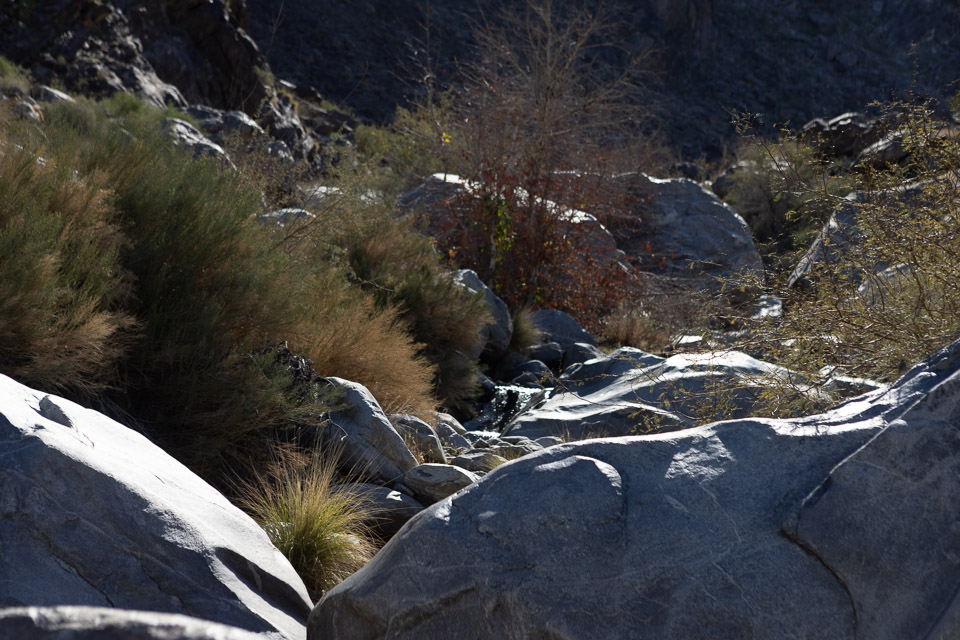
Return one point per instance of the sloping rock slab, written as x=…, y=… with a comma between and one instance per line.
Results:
x=498, y=331
x=93, y=623
x=887, y=522
x=631, y=392
x=842, y=231
x=92, y=513
x=724, y=531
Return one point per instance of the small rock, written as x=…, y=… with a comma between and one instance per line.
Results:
x=422, y=436
x=434, y=482
x=478, y=461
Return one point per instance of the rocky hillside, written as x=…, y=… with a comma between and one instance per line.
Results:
x=270, y=369
x=787, y=60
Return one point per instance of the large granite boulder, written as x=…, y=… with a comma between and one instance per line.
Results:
x=96, y=623
x=695, y=237
x=557, y=326
x=362, y=434
x=839, y=525
x=631, y=392
x=94, y=514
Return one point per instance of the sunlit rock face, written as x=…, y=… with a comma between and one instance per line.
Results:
x=838, y=525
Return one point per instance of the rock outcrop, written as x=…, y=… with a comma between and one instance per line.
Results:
x=362, y=434
x=694, y=236
x=631, y=392
x=175, y=52
x=94, y=623
x=839, y=525
x=94, y=514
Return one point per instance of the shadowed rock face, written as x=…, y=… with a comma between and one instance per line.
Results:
x=170, y=52
x=94, y=514
x=93, y=623
x=839, y=525
x=786, y=60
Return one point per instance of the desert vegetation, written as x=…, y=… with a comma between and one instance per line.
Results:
x=146, y=283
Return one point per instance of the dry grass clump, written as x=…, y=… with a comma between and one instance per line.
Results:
x=526, y=333
x=352, y=338
x=62, y=284
x=633, y=326
x=13, y=79
x=321, y=531
x=399, y=268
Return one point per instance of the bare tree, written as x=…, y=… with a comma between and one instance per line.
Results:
x=551, y=106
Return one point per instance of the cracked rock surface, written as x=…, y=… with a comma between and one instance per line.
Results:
x=94, y=514
x=839, y=525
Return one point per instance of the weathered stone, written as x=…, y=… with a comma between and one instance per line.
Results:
x=445, y=419
x=288, y=216
x=840, y=525
x=185, y=135
x=44, y=93
x=96, y=623
x=368, y=443
x=425, y=439
x=580, y=352
x=631, y=392
x=94, y=514
x=451, y=437
x=434, y=482
x=221, y=125
x=695, y=236
x=513, y=451
x=549, y=353
x=559, y=327
x=499, y=330
x=478, y=461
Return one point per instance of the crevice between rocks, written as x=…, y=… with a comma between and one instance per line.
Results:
x=810, y=551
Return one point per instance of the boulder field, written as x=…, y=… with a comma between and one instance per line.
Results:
x=838, y=525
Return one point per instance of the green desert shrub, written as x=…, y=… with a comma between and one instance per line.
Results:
x=890, y=296
x=13, y=78
x=123, y=105
x=399, y=268
x=136, y=230
x=320, y=530
x=63, y=286
x=420, y=141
